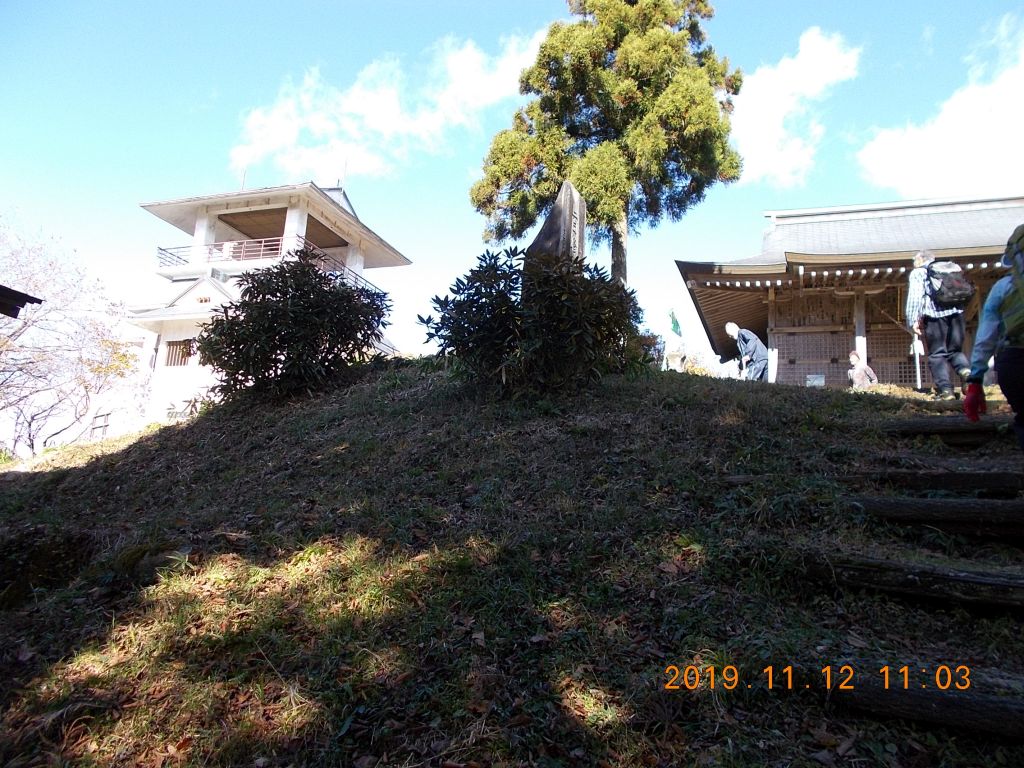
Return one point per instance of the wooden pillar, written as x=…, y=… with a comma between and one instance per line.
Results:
x=773, y=348
x=860, y=325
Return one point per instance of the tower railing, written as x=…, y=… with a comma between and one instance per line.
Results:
x=252, y=250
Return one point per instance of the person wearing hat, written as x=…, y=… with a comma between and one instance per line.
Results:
x=942, y=328
x=1001, y=332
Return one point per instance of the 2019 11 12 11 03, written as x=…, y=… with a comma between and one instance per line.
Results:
x=832, y=677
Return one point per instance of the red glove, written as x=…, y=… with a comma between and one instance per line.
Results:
x=974, y=401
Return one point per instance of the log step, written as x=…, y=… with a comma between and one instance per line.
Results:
x=952, y=430
x=919, y=580
x=915, y=480
x=933, y=479
x=993, y=703
x=985, y=517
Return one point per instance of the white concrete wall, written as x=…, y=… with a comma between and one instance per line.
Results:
x=224, y=233
x=354, y=259
x=294, y=225
x=171, y=387
x=202, y=236
x=127, y=401
x=349, y=255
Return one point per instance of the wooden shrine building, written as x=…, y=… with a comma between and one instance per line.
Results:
x=830, y=280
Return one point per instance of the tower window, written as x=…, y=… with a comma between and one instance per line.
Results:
x=179, y=352
x=98, y=428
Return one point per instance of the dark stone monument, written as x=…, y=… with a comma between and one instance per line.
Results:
x=562, y=233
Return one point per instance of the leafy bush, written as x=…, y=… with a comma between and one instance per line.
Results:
x=557, y=325
x=294, y=329
x=481, y=325
x=654, y=348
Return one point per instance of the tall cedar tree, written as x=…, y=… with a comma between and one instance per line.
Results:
x=632, y=107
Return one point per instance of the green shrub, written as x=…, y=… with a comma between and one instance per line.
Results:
x=294, y=329
x=653, y=347
x=481, y=325
x=558, y=325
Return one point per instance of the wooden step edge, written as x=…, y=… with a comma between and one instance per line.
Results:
x=977, y=709
x=984, y=481
x=941, y=479
x=941, y=425
x=1004, y=514
x=967, y=586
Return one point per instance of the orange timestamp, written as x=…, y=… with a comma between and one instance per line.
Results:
x=841, y=677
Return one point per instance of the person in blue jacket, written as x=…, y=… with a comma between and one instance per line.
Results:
x=753, y=354
x=1001, y=332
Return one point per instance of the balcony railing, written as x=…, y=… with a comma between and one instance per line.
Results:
x=233, y=250
x=267, y=248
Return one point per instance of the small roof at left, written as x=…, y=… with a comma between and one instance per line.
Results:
x=12, y=301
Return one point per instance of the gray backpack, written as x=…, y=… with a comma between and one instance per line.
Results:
x=948, y=285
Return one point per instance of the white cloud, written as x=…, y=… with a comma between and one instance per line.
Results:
x=928, y=39
x=317, y=130
x=773, y=128
x=973, y=146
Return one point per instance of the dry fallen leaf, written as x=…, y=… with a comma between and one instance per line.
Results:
x=846, y=746
x=824, y=738
x=856, y=640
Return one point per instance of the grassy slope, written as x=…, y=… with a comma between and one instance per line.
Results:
x=401, y=575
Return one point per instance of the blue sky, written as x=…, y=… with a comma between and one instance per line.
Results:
x=111, y=104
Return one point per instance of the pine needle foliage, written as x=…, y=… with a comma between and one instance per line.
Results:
x=632, y=106
x=295, y=329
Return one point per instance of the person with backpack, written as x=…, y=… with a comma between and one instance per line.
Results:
x=1001, y=331
x=935, y=304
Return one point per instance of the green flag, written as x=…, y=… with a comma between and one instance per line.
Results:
x=675, y=323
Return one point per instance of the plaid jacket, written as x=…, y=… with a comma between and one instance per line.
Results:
x=919, y=301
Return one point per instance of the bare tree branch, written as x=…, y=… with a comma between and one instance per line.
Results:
x=56, y=357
